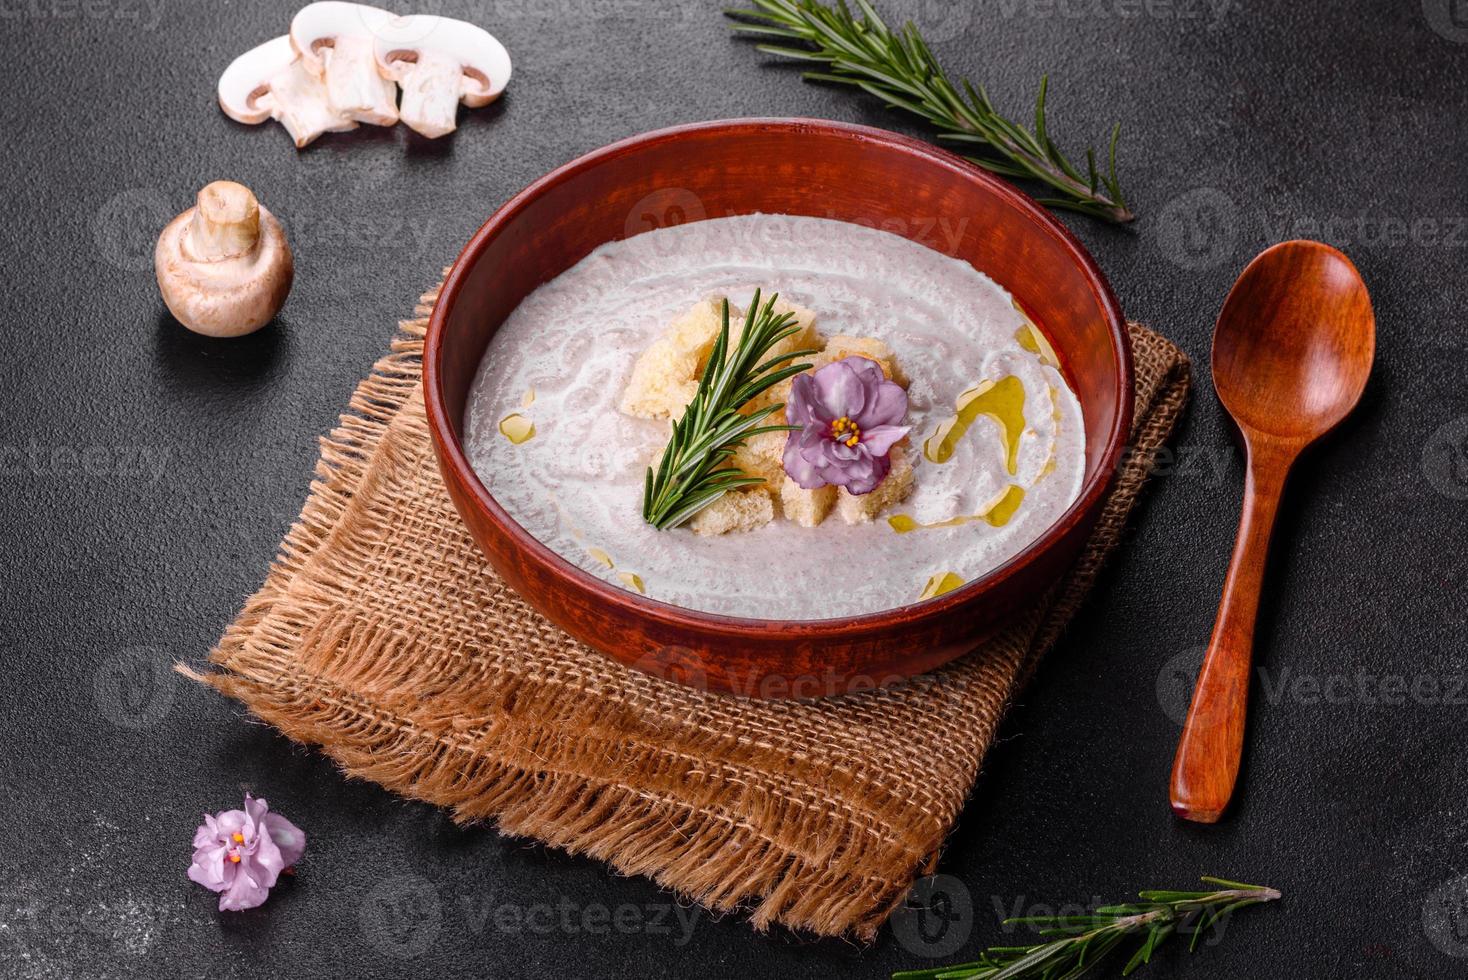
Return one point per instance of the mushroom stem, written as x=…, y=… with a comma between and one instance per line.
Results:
x=353, y=86
x=300, y=102
x=431, y=87
x=226, y=222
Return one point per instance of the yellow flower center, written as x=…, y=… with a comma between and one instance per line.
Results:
x=234, y=858
x=845, y=430
x=239, y=838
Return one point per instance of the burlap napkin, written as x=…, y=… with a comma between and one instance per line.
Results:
x=382, y=636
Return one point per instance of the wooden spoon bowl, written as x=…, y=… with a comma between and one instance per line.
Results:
x=1294, y=344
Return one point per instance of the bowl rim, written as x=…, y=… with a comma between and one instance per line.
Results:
x=451, y=452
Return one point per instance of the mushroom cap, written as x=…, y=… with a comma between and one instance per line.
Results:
x=248, y=77
x=482, y=58
x=318, y=25
x=232, y=295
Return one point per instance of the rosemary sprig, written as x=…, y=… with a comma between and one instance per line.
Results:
x=898, y=68
x=691, y=474
x=1077, y=943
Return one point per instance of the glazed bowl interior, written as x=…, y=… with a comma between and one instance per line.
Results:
x=790, y=167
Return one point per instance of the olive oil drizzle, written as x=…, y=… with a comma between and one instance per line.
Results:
x=1002, y=400
x=629, y=580
x=1049, y=465
x=517, y=428
x=1032, y=339
x=997, y=514
x=940, y=584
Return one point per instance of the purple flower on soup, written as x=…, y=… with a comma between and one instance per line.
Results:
x=241, y=853
x=849, y=416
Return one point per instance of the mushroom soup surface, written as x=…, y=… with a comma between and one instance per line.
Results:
x=997, y=441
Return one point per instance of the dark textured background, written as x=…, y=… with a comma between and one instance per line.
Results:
x=1245, y=122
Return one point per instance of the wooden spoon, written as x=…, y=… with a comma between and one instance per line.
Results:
x=1291, y=354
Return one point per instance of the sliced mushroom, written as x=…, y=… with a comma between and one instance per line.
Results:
x=224, y=266
x=440, y=62
x=334, y=41
x=270, y=82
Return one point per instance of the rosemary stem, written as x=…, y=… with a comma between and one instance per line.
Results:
x=1073, y=945
x=898, y=67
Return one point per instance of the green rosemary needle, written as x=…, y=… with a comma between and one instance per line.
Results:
x=898, y=68
x=691, y=474
x=1075, y=944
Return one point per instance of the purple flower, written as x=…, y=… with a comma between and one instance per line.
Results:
x=241, y=853
x=848, y=414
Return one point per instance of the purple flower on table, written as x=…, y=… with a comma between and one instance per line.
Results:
x=241, y=853
x=849, y=415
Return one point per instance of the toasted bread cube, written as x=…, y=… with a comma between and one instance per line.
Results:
x=893, y=490
x=737, y=510
x=665, y=376
x=778, y=394
x=840, y=346
x=764, y=455
x=806, y=507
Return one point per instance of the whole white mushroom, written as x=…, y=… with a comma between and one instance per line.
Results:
x=224, y=266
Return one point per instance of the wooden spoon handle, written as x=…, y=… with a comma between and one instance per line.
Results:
x=1208, y=755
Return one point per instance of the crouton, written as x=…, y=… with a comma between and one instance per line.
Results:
x=763, y=455
x=893, y=490
x=737, y=510
x=665, y=376
x=777, y=394
x=839, y=347
x=806, y=507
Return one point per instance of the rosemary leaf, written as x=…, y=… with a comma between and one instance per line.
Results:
x=900, y=69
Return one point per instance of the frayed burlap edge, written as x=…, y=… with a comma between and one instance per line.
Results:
x=700, y=853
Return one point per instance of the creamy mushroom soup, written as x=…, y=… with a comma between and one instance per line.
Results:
x=997, y=437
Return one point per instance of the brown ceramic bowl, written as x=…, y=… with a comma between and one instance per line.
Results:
x=781, y=166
